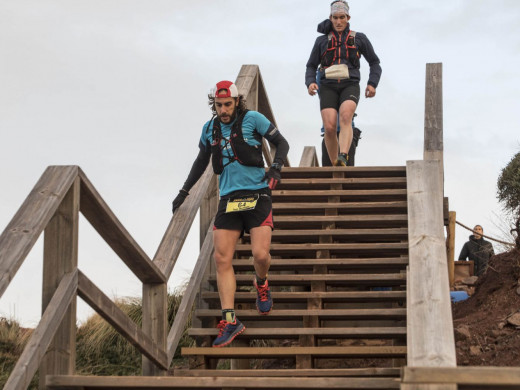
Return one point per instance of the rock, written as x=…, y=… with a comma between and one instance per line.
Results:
x=501, y=325
x=518, y=291
x=470, y=281
x=514, y=319
x=462, y=333
x=474, y=350
x=495, y=333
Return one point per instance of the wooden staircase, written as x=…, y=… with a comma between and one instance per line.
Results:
x=339, y=254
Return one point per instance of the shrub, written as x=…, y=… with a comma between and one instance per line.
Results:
x=509, y=191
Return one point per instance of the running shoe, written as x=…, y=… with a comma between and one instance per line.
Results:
x=227, y=332
x=341, y=161
x=264, y=303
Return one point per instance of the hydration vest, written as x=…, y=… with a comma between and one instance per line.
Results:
x=334, y=47
x=244, y=153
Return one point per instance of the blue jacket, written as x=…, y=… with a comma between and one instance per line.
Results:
x=364, y=48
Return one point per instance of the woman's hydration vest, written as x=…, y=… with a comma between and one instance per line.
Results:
x=335, y=47
x=244, y=153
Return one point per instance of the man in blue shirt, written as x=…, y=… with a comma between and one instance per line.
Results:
x=233, y=141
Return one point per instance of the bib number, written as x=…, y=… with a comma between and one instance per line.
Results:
x=242, y=204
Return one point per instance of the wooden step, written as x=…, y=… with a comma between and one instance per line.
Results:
x=389, y=332
x=212, y=382
x=387, y=248
x=329, y=279
x=241, y=265
x=287, y=352
x=346, y=183
x=341, y=221
x=394, y=207
x=357, y=235
x=319, y=172
x=325, y=296
x=344, y=195
x=324, y=314
x=311, y=372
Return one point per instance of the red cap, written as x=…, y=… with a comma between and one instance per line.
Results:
x=225, y=89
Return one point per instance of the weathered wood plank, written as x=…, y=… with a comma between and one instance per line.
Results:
x=319, y=171
x=189, y=295
x=178, y=382
x=107, y=309
x=306, y=206
x=336, y=263
x=433, y=116
x=42, y=336
x=315, y=193
x=175, y=235
x=259, y=352
x=330, y=314
x=342, y=218
x=309, y=157
x=60, y=257
x=31, y=218
x=430, y=336
x=313, y=372
x=490, y=376
x=359, y=332
x=339, y=279
x=101, y=217
x=154, y=323
x=325, y=296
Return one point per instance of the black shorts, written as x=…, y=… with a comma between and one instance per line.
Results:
x=332, y=95
x=261, y=215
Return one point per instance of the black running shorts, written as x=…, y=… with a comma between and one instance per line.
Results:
x=332, y=95
x=260, y=215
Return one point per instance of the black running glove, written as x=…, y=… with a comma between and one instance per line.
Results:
x=273, y=175
x=179, y=199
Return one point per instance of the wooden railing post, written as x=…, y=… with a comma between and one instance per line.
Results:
x=155, y=322
x=430, y=337
x=451, y=246
x=60, y=256
x=433, y=117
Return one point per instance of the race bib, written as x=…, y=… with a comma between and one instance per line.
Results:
x=242, y=204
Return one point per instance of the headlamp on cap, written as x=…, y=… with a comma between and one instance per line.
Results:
x=225, y=89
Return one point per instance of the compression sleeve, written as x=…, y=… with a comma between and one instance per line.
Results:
x=198, y=167
x=274, y=136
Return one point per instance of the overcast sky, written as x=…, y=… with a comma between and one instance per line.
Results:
x=119, y=87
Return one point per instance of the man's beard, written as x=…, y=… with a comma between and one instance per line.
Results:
x=232, y=116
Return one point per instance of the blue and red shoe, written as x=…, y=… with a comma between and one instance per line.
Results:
x=264, y=303
x=227, y=332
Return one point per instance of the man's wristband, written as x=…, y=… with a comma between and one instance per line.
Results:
x=277, y=166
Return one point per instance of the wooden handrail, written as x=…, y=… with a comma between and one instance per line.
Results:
x=173, y=240
x=189, y=295
x=31, y=218
x=101, y=217
x=27, y=364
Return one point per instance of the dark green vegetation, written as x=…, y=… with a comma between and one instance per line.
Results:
x=509, y=191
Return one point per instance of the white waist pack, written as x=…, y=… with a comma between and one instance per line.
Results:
x=338, y=72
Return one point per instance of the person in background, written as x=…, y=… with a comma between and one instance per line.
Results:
x=233, y=141
x=478, y=250
x=336, y=55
